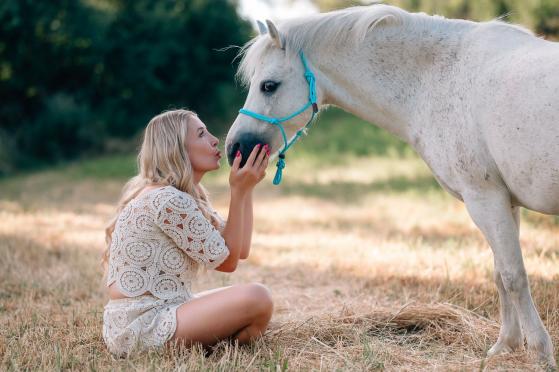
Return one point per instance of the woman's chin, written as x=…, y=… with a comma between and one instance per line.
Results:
x=208, y=168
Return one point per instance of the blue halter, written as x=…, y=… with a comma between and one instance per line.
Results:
x=277, y=121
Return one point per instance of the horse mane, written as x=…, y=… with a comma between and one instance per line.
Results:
x=346, y=25
x=309, y=32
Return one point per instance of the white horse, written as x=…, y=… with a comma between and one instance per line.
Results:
x=479, y=102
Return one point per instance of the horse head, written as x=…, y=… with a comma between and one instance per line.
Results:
x=279, y=102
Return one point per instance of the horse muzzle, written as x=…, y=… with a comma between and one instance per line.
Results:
x=245, y=144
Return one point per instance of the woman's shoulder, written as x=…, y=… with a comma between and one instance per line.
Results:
x=170, y=196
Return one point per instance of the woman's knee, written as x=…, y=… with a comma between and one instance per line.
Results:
x=259, y=299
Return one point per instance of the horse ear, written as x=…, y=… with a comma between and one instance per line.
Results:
x=262, y=28
x=274, y=34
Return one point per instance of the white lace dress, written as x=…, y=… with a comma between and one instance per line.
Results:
x=160, y=240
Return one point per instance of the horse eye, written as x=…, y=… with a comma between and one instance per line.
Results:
x=269, y=86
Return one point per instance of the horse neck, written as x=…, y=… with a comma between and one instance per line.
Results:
x=389, y=76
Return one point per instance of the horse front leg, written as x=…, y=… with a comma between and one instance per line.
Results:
x=510, y=335
x=492, y=212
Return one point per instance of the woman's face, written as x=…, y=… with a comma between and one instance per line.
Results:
x=201, y=147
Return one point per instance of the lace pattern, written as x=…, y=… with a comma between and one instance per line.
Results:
x=181, y=219
x=160, y=240
x=136, y=324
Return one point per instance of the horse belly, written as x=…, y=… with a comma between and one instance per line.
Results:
x=521, y=129
x=533, y=180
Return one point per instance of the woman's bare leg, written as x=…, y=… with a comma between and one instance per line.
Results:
x=210, y=291
x=241, y=311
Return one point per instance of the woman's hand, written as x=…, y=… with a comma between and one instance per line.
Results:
x=238, y=229
x=244, y=179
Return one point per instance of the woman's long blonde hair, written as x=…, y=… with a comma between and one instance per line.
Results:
x=163, y=160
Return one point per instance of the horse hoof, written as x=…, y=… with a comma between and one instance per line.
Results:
x=548, y=363
x=550, y=366
x=502, y=347
x=499, y=348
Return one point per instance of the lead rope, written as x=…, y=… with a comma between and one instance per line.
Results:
x=280, y=165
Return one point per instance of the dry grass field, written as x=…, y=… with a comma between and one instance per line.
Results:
x=371, y=265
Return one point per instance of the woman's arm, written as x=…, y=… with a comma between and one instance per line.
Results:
x=247, y=226
x=233, y=231
x=238, y=229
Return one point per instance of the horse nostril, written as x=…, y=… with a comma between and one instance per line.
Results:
x=245, y=144
x=232, y=152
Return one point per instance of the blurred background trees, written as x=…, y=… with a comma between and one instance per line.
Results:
x=84, y=76
x=77, y=76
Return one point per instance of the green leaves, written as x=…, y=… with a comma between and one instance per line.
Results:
x=74, y=74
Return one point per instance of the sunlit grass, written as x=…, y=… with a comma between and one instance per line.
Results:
x=371, y=265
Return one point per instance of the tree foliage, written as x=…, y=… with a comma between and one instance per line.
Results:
x=74, y=73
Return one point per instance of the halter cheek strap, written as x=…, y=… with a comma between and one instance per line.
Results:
x=309, y=76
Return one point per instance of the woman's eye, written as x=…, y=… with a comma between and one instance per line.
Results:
x=201, y=133
x=269, y=86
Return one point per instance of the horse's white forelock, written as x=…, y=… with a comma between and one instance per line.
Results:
x=346, y=25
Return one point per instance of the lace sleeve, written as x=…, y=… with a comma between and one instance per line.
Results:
x=220, y=222
x=180, y=218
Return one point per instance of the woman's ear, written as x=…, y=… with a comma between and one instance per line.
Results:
x=274, y=34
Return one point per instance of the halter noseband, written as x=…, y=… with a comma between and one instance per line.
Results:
x=309, y=76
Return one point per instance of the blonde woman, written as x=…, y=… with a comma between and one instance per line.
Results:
x=165, y=230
